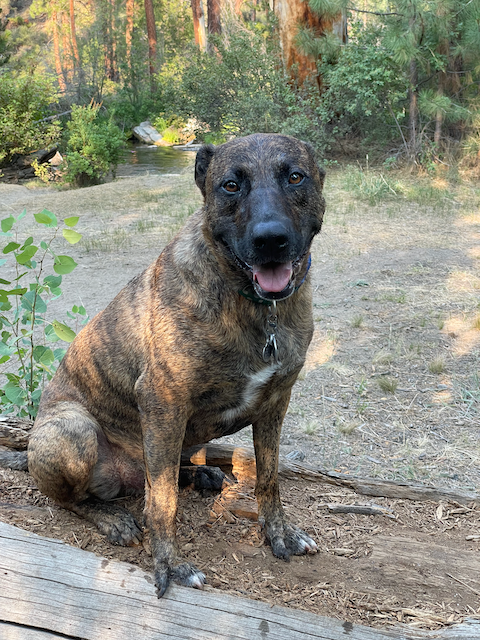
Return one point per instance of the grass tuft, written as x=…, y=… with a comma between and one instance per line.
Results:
x=437, y=365
x=388, y=385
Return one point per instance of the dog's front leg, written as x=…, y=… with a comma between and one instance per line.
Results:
x=163, y=432
x=285, y=539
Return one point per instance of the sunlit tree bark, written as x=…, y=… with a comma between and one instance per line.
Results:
x=56, y=50
x=130, y=10
x=152, y=41
x=199, y=24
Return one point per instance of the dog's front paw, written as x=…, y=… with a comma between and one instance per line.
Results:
x=287, y=540
x=185, y=574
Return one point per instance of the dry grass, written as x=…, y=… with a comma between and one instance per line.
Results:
x=388, y=385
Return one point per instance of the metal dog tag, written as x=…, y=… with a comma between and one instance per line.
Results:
x=270, y=349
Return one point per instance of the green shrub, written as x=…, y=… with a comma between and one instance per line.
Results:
x=239, y=89
x=93, y=147
x=27, y=333
x=25, y=102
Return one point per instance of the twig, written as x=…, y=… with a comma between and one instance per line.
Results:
x=464, y=583
x=366, y=510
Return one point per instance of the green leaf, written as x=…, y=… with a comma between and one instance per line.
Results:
x=27, y=242
x=64, y=265
x=43, y=245
x=47, y=218
x=71, y=222
x=26, y=255
x=6, y=350
x=59, y=353
x=32, y=301
x=50, y=334
x=43, y=355
x=15, y=394
x=11, y=246
x=2, y=281
x=71, y=236
x=2, y=262
x=17, y=292
x=7, y=224
x=63, y=332
x=22, y=215
x=52, y=282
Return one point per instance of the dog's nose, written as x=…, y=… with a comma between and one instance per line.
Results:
x=270, y=238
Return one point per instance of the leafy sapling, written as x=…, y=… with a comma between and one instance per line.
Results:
x=31, y=276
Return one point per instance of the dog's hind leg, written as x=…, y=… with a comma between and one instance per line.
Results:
x=68, y=458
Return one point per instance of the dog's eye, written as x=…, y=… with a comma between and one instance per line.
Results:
x=295, y=178
x=231, y=186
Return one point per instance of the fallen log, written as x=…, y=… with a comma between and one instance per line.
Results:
x=49, y=590
x=241, y=462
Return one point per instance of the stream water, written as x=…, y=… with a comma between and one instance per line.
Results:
x=140, y=159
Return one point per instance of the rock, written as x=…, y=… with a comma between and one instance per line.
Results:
x=56, y=160
x=148, y=134
x=42, y=156
x=295, y=455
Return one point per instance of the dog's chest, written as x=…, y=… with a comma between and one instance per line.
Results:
x=252, y=389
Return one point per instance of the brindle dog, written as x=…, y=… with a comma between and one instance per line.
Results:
x=207, y=340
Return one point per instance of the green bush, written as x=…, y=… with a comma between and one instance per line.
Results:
x=363, y=89
x=25, y=102
x=29, y=283
x=93, y=147
x=239, y=89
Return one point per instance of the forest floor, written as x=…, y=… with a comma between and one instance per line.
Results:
x=391, y=389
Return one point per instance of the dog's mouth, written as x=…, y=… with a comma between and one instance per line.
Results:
x=273, y=280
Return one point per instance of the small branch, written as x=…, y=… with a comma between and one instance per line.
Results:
x=364, y=510
x=399, y=128
x=376, y=13
x=464, y=584
x=54, y=117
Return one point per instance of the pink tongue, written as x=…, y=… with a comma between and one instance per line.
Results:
x=273, y=278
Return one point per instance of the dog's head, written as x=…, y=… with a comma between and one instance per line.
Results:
x=263, y=206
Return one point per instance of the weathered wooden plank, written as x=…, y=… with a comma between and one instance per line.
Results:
x=49, y=587
x=242, y=461
x=10, y=631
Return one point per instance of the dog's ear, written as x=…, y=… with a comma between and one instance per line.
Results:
x=314, y=155
x=202, y=161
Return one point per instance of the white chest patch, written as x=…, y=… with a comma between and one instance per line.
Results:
x=250, y=393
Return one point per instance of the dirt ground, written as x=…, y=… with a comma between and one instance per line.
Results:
x=391, y=389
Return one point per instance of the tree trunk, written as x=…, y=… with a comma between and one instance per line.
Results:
x=439, y=115
x=111, y=67
x=199, y=24
x=73, y=35
x=291, y=14
x=213, y=21
x=130, y=7
x=152, y=42
x=56, y=51
x=67, y=49
x=413, y=108
x=213, y=16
